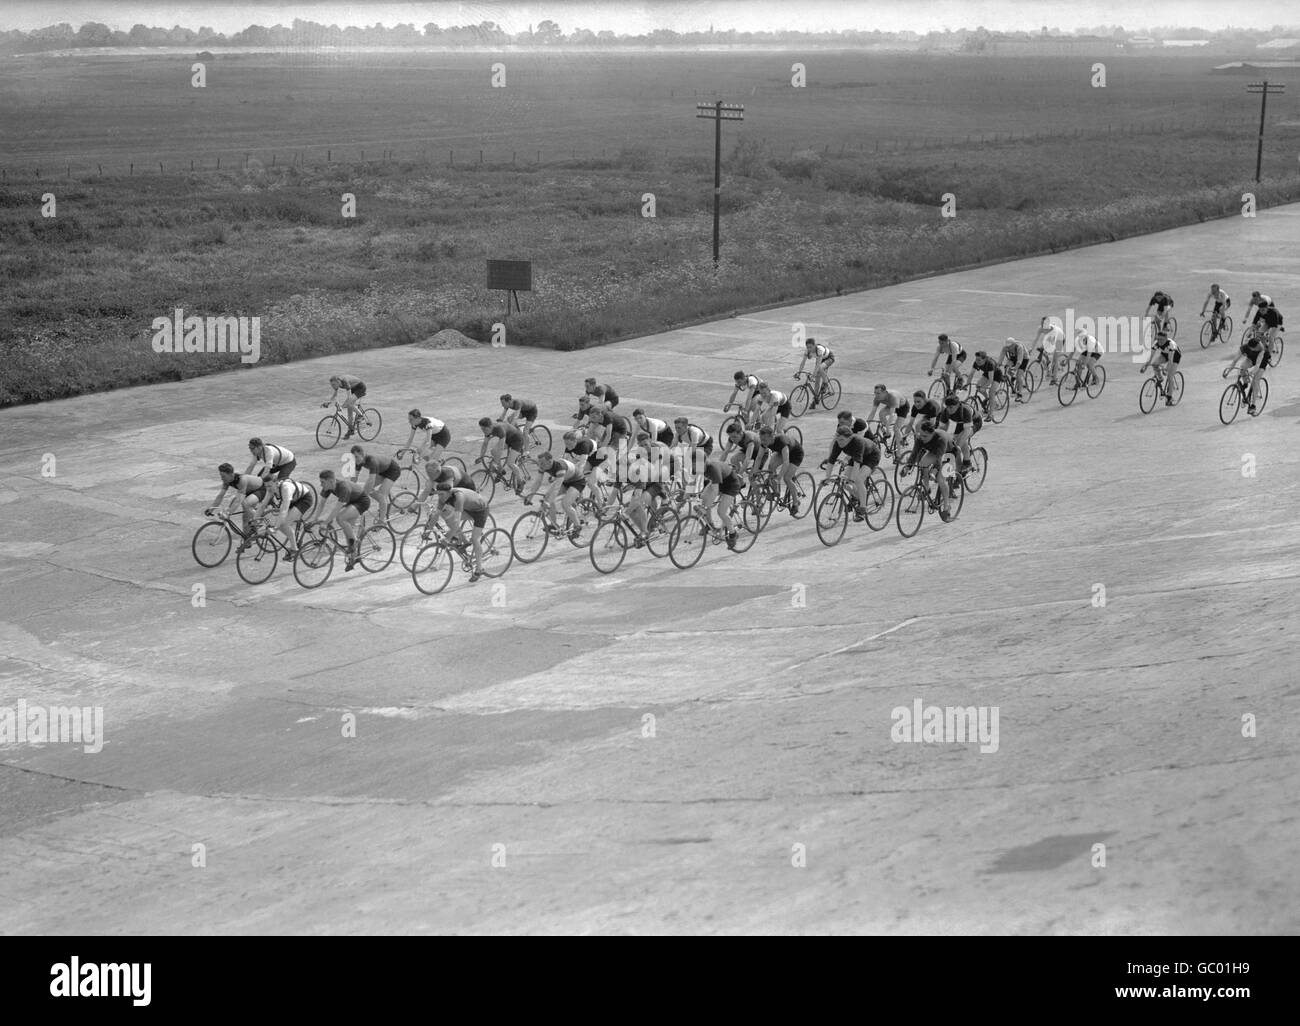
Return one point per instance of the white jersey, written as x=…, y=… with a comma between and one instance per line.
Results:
x=1052, y=339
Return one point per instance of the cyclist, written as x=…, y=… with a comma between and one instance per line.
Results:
x=277, y=461
x=1255, y=356
x=1050, y=342
x=1015, y=358
x=1221, y=301
x=350, y=502
x=953, y=354
x=784, y=457
x=468, y=504
x=988, y=372
x=1087, y=354
x=601, y=393
x=923, y=407
x=742, y=443
x=860, y=456
x=355, y=389
x=567, y=482
x=1258, y=304
x=746, y=385
x=249, y=492
x=958, y=421
x=590, y=457
x=721, y=484
x=434, y=434
x=435, y=472
x=1163, y=303
x=382, y=472
x=505, y=437
x=1270, y=320
x=773, y=407
x=928, y=452
x=1164, y=351
x=614, y=429
x=653, y=426
x=650, y=468
x=893, y=407
x=515, y=410
x=822, y=359
x=295, y=503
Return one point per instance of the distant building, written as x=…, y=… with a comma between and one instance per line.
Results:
x=1278, y=44
x=1185, y=42
x=1048, y=46
x=1140, y=43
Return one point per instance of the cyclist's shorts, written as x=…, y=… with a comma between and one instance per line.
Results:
x=784, y=409
x=578, y=483
x=1024, y=363
x=528, y=411
x=442, y=438
x=283, y=470
x=359, y=389
x=392, y=473
x=794, y=455
x=902, y=411
x=730, y=486
x=302, y=504
x=828, y=359
x=361, y=503
x=477, y=517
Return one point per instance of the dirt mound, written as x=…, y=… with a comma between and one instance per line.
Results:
x=448, y=338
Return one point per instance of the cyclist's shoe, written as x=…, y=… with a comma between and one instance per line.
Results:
x=1168, y=401
x=945, y=512
x=638, y=543
x=347, y=436
x=731, y=539
x=528, y=501
x=574, y=532
x=1252, y=411
x=812, y=405
x=859, y=516
x=794, y=508
x=476, y=576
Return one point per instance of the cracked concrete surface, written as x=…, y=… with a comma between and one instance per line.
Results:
x=643, y=753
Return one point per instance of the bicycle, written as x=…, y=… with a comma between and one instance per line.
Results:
x=212, y=541
x=1217, y=328
x=409, y=481
x=425, y=531
x=1070, y=385
x=1237, y=395
x=839, y=499
x=493, y=471
x=924, y=496
x=801, y=396
x=1151, y=325
x=614, y=536
x=376, y=545
x=972, y=478
x=333, y=425
x=695, y=532
x=1253, y=331
x=939, y=387
x=432, y=567
x=533, y=530
x=256, y=563
x=771, y=491
x=1168, y=384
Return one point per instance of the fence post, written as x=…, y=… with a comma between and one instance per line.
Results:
x=131, y=172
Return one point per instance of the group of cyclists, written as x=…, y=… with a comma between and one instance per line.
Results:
x=643, y=462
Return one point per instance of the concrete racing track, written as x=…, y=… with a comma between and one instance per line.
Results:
x=506, y=774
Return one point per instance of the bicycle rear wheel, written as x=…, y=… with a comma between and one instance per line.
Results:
x=687, y=543
x=1230, y=404
x=315, y=561
x=498, y=552
x=368, y=424
x=662, y=525
x=804, y=487
x=1175, y=387
x=1147, y=393
x=1097, y=382
x=376, y=549
x=408, y=480
x=999, y=403
x=257, y=563
x=979, y=467
x=484, y=483
x=431, y=568
x=529, y=537
x=1173, y=326
x=1263, y=396
x=832, y=518
x=831, y=393
x=1225, y=332
x=1278, y=345
x=794, y=429
x=211, y=544
x=329, y=431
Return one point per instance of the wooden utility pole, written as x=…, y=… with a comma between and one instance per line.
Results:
x=1263, y=88
x=719, y=112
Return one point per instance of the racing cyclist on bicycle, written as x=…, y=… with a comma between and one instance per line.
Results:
x=1164, y=353
x=356, y=390
x=822, y=359
x=954, y=354
x=1221, y=301
x=1163, y=303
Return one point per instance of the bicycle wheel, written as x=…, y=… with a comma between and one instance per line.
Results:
x=686, y=545
x=541, y=438
x=880, y=501
x=1207, y=333
x=747, y=530
x=608, y=546
x=904, y=474
x=1175, y=387
x=329, y=431
x=529, y=537
x=431, y=568
x=1068, y=389
x=800, y=397
x=832, y=518
x=452, y=461
x=793, y=429
x=752, y=519
x=911, y=510
x=408, y=480
x=1263, y=396
x=906, y=438
x=588, y=518
x=1230, y=404
x=377, y=547
x=257, y=563
x=831, y=393
x=662, y=525
x=368, y=424
x=211, y=544
x=726, y=423
x=1225, y=331
x=485, y=483
x=1097, y=382
x=1278, y=345
x=1172, y=326
x=804, y=487
x=315, y=561
x=1034, y=375
x=1147, y=393
x=403, y=512
x=999, y=403
x=979, y=468
x=498, y=552
x=413, y=541
x=937, y=389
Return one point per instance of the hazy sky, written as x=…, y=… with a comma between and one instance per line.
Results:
x=634, y=16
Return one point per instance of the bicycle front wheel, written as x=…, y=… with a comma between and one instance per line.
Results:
x=1147, y=395
x=1230, y=404
x=832, y=518
x=368, y=424
x=1068, y=389
x=937, y=389
x=376, y=549
x=529, y=537
x=1034, y=375
x=211, y=544
x=498, y=552
x=662, y=525
x=979, y=468
x=329, y=431
x=608, y=546
x=484, y=483
x=804, y=487
x=686, y=545
x=1207, y=334
x=432, y=567
x=800, y=397
x=1097, y=382
x=315, y=562
x=911, y=510
x=257, y=563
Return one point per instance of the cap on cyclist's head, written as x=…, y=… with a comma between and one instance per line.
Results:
x=1255, y=294
x=766, y=431
x=255, y=443
x=590, y=381
x=506, y=397
x=981, y=352
x=859, y=425
x=943, y=337
x=226, y=468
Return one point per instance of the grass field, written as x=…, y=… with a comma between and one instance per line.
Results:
x=835, y=186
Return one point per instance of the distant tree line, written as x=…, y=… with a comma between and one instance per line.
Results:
x=547, y=33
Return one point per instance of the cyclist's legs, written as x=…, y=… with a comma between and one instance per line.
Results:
x=350, y=405
x=725, y=505
x=347, y=520
x=1256, y=376
x=858, y=478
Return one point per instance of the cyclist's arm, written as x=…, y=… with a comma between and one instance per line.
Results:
x=734, y=392
x=935, y=362
x=802, y=361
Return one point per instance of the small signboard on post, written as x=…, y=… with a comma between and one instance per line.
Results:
x=512, y=276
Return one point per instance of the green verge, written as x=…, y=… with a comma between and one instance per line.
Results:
x=79, y=291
